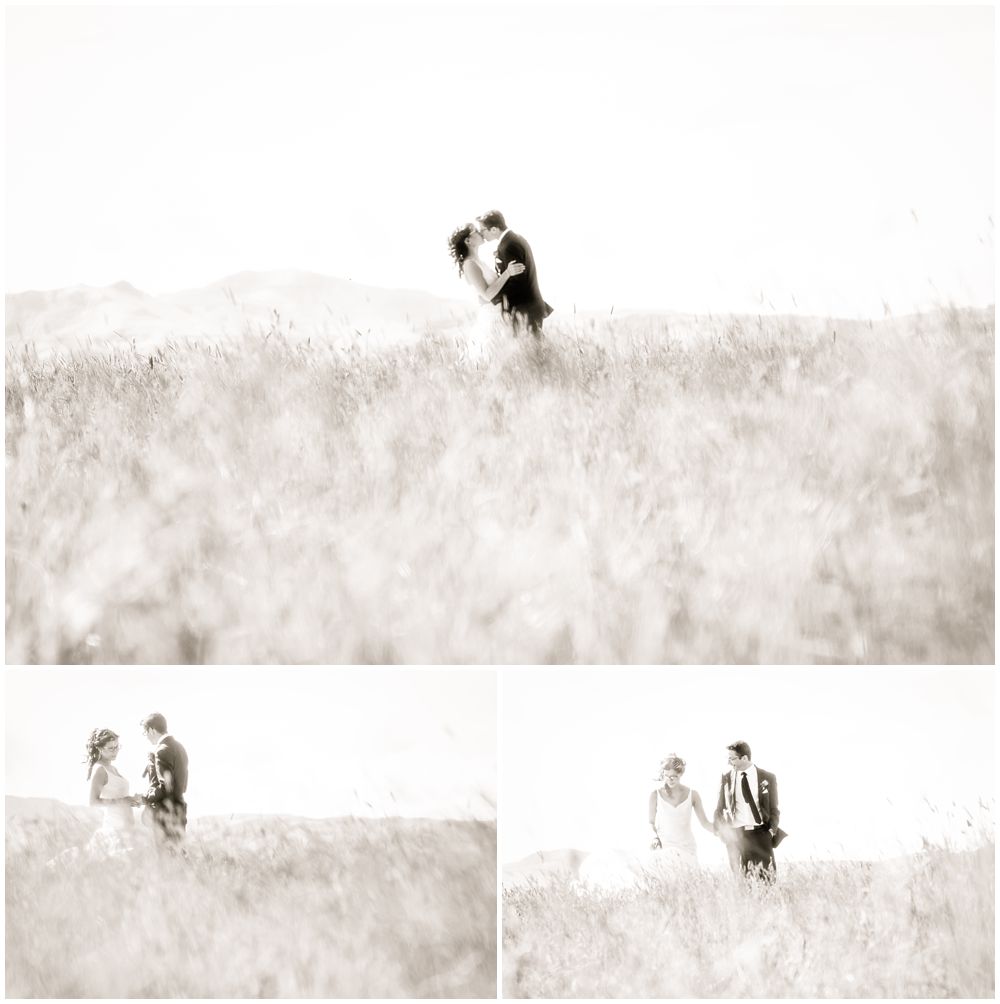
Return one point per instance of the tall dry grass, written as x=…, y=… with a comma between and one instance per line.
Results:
x=916, y=927
x=349, y=908
x=736, y=493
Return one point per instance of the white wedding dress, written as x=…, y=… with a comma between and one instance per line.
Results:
x=617, y=871
x=673, y=826
x=118, y=822
x=115, y=836
x=489, y=328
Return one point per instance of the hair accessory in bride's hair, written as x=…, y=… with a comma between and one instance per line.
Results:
x=671, y=764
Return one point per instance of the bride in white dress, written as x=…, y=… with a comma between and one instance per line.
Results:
x=109, y=791
x=673, y=848
x=490, y=325
x=670, y=809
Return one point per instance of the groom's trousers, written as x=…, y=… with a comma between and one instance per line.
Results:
x=169, y=822
x=752, y=851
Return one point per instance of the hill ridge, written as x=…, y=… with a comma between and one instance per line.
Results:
x=302, y=303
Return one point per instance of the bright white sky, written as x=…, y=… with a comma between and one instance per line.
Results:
x=855, y=752
x=686, y=158
x=313, y=742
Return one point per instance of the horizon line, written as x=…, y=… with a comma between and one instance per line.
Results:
x=255, y=814
x=889, y=314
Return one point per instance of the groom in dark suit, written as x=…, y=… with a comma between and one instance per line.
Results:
x=166, y=775
x=520, y=297
x=747, y=813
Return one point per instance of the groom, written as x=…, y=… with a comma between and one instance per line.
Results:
x=520, y=297
x=746, y=817
x=166, y=774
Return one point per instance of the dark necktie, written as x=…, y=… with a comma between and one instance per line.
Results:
x=745, y=788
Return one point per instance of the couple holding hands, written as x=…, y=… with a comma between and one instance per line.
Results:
x=165, y=776
x=746, y=813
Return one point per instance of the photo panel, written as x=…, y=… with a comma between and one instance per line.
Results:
x=500, y=333
x=759, y=832
x=237, y=833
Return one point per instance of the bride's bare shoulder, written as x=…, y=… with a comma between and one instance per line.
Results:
x=473, y=272
x=98, y=779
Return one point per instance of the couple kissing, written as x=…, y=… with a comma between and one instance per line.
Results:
x=510, y=300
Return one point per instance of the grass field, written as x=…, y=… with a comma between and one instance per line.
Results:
x=737, y=493
x=915, y=927
x=340, y=908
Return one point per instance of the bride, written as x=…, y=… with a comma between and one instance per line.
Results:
x=490, y=324
x=672, y=851
x=670, y=808
x=109, y=792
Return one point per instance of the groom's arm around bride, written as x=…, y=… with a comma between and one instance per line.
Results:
x=521, y=297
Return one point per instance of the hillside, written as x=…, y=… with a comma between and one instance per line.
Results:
x=303, y=305
x=920, y=926
x=295, y=303
x=542, y=865
x=264, y=906
x=23, y=812
x=760, y=494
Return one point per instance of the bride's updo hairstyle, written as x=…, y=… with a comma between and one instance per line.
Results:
x=98, y=738
x=457, y=247
x=671, y=764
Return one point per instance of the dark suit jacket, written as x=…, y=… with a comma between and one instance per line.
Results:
x=167, y=774
x=766, y=796
x=520, y=293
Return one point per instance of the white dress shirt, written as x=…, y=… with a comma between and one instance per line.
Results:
x=742, y=813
